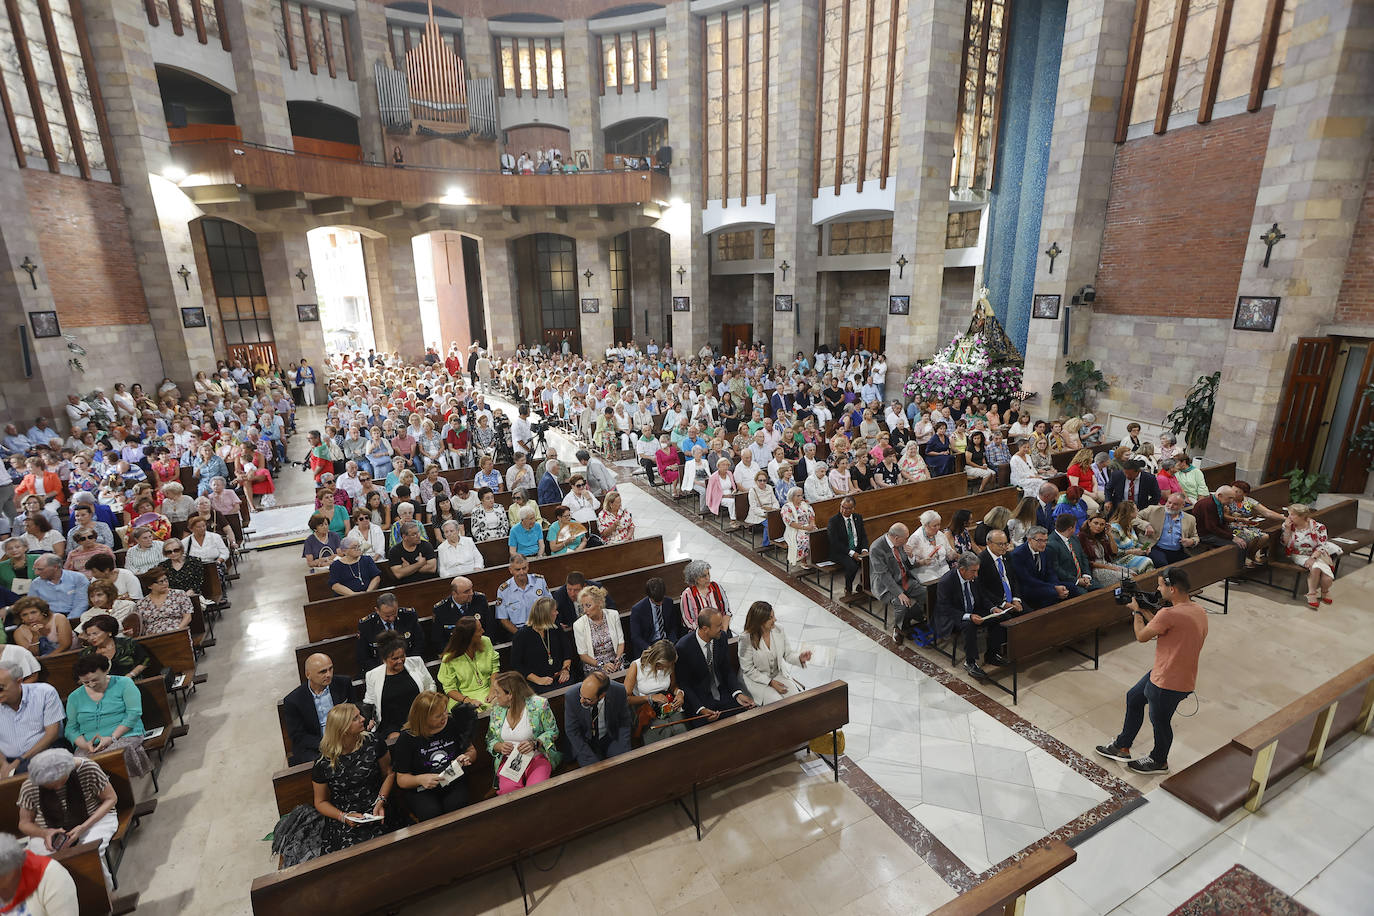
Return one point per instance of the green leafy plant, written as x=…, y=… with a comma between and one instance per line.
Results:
x=1304, y=487
x=1081, y=381
x=1192, y=420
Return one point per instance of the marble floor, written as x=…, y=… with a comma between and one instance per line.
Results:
x=945, y=771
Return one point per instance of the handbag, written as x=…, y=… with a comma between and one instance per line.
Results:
x=824, y=744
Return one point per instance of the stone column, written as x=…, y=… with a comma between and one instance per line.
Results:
x=763, y=308
x=499, y=292
x=580, y=66
x=159, y=213
x=1319, y=148
x=282, y=255
x=648, y=284
x=794, y=238
x=597, y=327
x=392, y=295
x=260, y=103
x=1082, y=150
x=478, y=62
x=683, y=222
x=371, y=37
x=930, y=96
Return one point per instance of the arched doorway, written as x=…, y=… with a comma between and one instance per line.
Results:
x=240, y=293
x=546, y=280
x=340, y=268
x=448, y=279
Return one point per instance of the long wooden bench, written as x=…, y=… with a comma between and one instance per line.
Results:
x=339, y=616
x=173, y=649
x=93, y=897
x=1296, y=736
x=880, y=501
x=494, y=553
x=1004, y=894
x=570, y=805
x=128, y=810
x=1342, y=527
x=624, y=589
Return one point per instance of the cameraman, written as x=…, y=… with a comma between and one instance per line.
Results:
x=1181, y=627
x=521, y=435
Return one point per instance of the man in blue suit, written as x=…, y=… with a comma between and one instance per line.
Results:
x=1044, y=507
x=549, y=490
x=1033, y=568
x=704, y=672
x=596, y=719
x=654, y=617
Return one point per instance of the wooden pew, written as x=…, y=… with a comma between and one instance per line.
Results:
x=878, y=502
x=339, y=616
x=625, y=589
x=570, y=805
x=1220, y=475
x=93, y=897
x=1341, y=520
x=1296, y=736
x=494, y=553
x=1005, y=892
x=173, y=649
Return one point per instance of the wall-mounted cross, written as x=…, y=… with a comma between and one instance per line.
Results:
x=681, y=272
x=784, y=267
x=185, y=275
x=902, y=262
x=588, y=276
x=1270, y=239
x=1053, y=251
x=301, y=275
x=30, y=268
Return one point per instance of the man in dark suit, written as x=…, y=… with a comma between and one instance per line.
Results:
x=960, y=606
x=388, y=616
x=462, y=601
x=1034, y=572
x=1044, y=507
x=1130, y=483
x=654, y=617
x=305, y=708
x=565, y=597
x=1071, y=564
x=549, y=490
x=704, y=672
x=995, y=577
x=848, y=541
x=596, y=719
x=895, y=583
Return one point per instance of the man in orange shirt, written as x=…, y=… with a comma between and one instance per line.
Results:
x=1181, y=628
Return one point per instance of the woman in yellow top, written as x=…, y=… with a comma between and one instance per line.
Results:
x=467, y=665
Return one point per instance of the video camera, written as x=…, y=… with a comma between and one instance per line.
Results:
x=1128, y=591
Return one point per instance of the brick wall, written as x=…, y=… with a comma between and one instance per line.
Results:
x=956, y=303
x=1356, y=302
x=1178, y=219
x=85, y=250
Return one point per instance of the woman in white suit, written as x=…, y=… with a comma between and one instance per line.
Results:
x=394, y=684
x=762, y=651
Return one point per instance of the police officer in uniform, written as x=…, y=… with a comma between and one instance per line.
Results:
x=517, y=594
x=461, y=602
x=388, y=616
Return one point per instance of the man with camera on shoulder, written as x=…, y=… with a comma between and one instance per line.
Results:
x=1180, y=626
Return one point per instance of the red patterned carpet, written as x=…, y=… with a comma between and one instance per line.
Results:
x=1241, y=892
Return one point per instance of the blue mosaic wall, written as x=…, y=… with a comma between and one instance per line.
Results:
x=1023, y=150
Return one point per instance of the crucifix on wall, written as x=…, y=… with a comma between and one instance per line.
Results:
x=1270, y=239
x=1053, y=251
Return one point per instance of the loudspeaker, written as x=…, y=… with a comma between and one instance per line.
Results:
x=665, y=155
x=176, y=114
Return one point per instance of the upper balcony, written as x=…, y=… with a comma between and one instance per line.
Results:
x=224, y=169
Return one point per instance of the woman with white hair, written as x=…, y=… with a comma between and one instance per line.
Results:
x=64, y=796
x=817, y=486
x=799, y=520
x=144, y=553
x=351, y=573
x=34, y=884
x=701, y=593
x=930, y=548
x=176, y=505
x=458, y=553
x=721, y=489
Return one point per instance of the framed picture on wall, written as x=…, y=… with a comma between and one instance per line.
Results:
x=193, y=317
x=899, y=305
x=1256, y=313
x=682, y=303
x=782, y=303
x=308, y=312
x=45, y=324
x=1045, y=305
x=583, y=157
x=591, y=306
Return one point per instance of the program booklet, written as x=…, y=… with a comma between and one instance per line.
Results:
x=515, y=766
x=368, y=818
x=450, y=773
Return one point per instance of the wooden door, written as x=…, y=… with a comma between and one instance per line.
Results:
x=554, y=337
x=1352, y=468
x=732, y=334
x=1301, y=405
x=858, y=338
x=254, y=355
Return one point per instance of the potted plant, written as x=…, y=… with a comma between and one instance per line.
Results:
x=1304, y=487
x=1192, y=420
x=1081, y=380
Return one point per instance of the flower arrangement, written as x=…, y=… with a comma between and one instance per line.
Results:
x=963, y=370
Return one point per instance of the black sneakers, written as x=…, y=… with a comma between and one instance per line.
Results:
x=1112, y=752
x=1148, y=766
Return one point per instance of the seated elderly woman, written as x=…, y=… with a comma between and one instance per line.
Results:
x=144, y=553
x=184, y=572
x=721, y=488
x=321, y=545
x=203, y=544
x=433, y=738
x=597, y=633
x=144, y=513
x=467, y=665
x=930, y=548
x=104, y=599
x=565, y=535
x=700, y=594
x=457, y=553
x=521, y=723
x=762, y=500
x=799, y=520
x=817, y=484
x=66, y=801
x=404, y=512
x=527, y=538
x=162, y=609
x=84, y=544
x=176, y=505
x=1305, y=540
x=351, y=573
x=695, y=470
x=105, y=712
x=40, y=630
x=103, y=636
x=489, y=521
x=17, y=564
